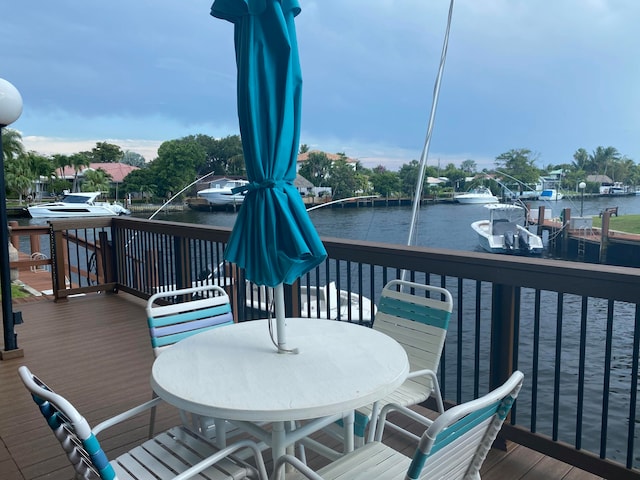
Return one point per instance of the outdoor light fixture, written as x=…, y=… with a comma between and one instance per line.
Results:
x=582, y=186
x=10, y=110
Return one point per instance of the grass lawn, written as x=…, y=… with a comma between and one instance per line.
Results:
x=623, y=223
x=18, y=292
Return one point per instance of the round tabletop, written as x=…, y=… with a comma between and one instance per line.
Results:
x=234, y=372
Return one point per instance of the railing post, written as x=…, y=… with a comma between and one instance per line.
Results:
x=503, y=312
x=183, y=263
x=604, y=236
x=566, y=221
x=59, y=264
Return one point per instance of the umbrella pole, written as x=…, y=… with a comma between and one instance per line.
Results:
x=280, y=326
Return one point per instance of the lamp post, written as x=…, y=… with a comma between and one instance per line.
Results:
x=10, y=110
x=582, y=186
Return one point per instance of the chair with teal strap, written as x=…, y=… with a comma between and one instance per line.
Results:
x=176, y=454
x=177, y=314
x=417, y=316
x=453, y=447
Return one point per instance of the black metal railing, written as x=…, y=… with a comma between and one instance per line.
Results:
x=573, y=328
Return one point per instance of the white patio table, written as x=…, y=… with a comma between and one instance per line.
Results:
x=234, y=373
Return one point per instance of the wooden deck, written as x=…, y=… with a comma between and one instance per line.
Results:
x=95, y=350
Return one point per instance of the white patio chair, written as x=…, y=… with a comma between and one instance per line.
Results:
x=419, y=323
x=453, y=447
x=416, y=316
x=175, y=454
x=171, y=320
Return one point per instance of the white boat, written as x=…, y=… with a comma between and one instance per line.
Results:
x=476, y=195
x=220, y=193
x=504, y=231
x=616, y=189
x=550, y=194
x=325, y=302
x=79, y=204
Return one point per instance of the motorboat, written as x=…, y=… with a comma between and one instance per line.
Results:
x=325, y=302
x=504, y=231
x=616, y=189
x=478, y=195
x=550, y=194
x=78, y=204
x=221, y=193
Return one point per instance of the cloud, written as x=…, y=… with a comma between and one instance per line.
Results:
x=551, y=76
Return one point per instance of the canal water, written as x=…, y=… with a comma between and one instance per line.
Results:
x=443, y=225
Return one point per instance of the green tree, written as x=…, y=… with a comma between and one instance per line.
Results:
x=41, y=166
x=454, y=174
x=77, y=161
x=385, y=183
x=105, y=152
x=408, y=175
x=222, y=157
x=581, y=159
x=316, y=169
x=469, y=167
x=602, y=159
x=176, y=165
x=304, y=148
x=18, y=175
x=61, y=162
x=134, y=159
x=342, y=180
x=140, y=181
x=12, y=146
x=96, y=181
x=519, y=164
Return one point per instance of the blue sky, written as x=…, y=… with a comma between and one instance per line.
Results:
x=548, y=75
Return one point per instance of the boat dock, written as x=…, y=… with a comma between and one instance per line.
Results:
x=577, y=239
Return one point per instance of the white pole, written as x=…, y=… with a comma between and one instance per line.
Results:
x=280, y=326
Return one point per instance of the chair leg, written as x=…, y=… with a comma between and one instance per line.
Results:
x=436, y=392
x=374, y=422
x=152, y=416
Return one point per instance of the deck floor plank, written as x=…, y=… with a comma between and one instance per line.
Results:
x=95, y=350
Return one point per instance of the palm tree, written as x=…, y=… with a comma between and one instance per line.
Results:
x=77, y=161
x=96, y=181
x=11, y=144
x=18, y=175
x=601, y=158
x=581, y=159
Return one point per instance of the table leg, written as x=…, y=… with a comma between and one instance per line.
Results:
x=348, y=421
x=278, y=435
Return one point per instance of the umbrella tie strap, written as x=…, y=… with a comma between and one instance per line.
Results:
x=253, y=186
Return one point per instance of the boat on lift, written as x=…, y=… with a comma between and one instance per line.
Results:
x=220, y=192
x=505, y=231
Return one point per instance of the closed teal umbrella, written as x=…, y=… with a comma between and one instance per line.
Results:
x=273, y=238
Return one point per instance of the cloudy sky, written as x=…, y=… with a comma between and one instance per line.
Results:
x=548, y=75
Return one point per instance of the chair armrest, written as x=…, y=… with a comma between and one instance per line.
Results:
x=393, y=407
x=297, y=464
x=125, y=415
x=419, y=373
x=225, y=452
x=434, y=382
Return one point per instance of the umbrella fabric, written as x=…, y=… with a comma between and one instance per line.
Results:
x=273, y=238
